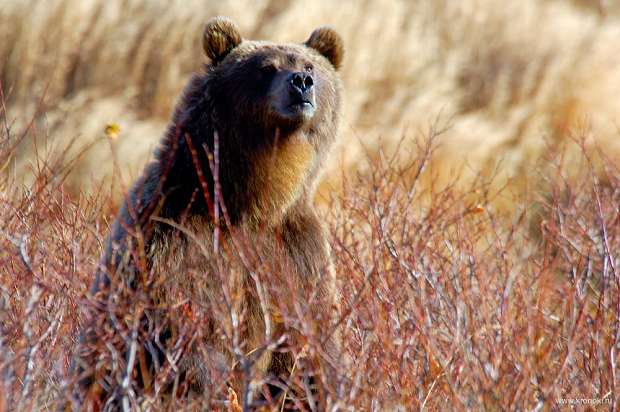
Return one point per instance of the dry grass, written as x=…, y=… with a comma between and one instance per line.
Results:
x=478, y=266
x=502, y=76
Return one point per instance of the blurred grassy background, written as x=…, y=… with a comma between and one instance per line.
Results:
x=504, y=79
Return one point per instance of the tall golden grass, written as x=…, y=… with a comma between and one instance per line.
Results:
x=507, y=80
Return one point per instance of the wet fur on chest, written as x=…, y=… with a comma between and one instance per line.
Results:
x=275, y=182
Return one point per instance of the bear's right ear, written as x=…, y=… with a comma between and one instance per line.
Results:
x=220, y=37
x=328, y=42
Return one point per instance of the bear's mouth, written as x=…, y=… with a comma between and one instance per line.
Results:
x=299, y=110
x=303, y=107
x=293, y=109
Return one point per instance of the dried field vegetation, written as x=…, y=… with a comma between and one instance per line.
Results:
x=508, y=79
x=476, y=251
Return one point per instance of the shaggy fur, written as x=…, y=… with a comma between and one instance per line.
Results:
x=161, y=243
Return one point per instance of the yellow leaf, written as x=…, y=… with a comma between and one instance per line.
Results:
x=112, y=130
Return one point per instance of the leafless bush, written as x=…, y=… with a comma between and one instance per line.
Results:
x=447, y=303
x=455, y=306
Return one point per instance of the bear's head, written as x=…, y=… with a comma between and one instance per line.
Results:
x=286, y=86
x=279, y=101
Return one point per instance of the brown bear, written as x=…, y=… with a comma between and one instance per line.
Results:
x=217, y=268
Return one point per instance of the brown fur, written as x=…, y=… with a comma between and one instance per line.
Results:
x=270, y=155
x=220, y=37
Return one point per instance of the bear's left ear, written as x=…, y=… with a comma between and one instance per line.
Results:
x=220, y=37
x=326, y=41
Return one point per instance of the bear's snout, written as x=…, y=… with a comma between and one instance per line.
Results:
x=302, y=88
x=293, y=97
x=302, y=81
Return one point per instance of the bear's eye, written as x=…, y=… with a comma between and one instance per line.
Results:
x=309, y=68
x=268, y=69
x=266, y=73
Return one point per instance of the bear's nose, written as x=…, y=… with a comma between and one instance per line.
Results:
x=302, y=81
